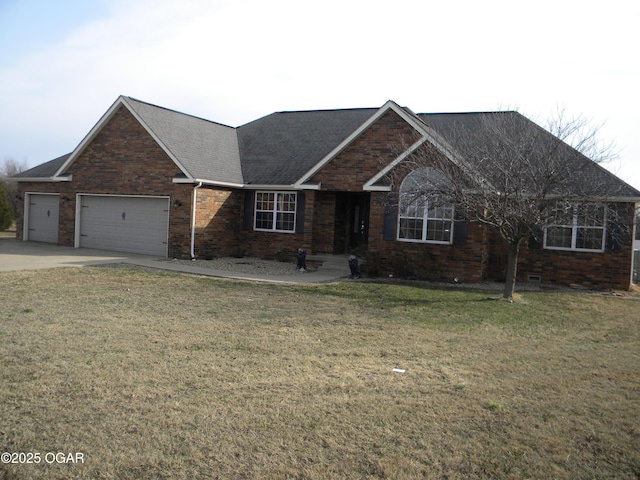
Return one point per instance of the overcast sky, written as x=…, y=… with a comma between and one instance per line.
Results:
x=64, y=62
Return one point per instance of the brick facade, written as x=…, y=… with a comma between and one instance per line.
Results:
x=366, y=155
x=467, y=262
x=610, y=269
x=123, y=159
x=604, y=270
x=218, y=231
x=271, y=245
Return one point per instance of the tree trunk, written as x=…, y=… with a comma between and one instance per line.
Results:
x=513, y=248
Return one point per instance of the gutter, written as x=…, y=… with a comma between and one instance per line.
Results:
x=53, y=179
x=193, y=221
x=208, y=182
x=245, y=186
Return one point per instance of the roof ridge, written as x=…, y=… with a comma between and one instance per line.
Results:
x=327, y=110
x=177, y=111
x=480, y=112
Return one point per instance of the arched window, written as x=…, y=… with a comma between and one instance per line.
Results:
x=425, y=214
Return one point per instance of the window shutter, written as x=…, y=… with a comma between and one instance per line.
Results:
x=460, y=232
x=249, y=202
x=613, y=239
x=535, y=240
x=389, y=225
x=460, y=226
x=300, y=201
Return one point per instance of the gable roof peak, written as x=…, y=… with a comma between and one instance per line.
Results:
x=404, y=113
x=200, y=148
x=170, y=110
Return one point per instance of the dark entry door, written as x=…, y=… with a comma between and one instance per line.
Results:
x=352, y=222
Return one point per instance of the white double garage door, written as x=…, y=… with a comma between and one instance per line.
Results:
x=107, y=222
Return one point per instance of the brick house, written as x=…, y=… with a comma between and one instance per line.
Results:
x=150, y=180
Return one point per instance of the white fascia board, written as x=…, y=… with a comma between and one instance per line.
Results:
x=184, y=180
x=208, y=182
x=64, y=178
x=426, y=132
x=588, y=198
x=155, y=137
x=379, y=188
x=369, y=186
x=242, y=186
x=90, y=136
x=310, y=186
x=611, y=199
x=271, y=187
x=390, y=105
x=121, y=101
x=435, y=139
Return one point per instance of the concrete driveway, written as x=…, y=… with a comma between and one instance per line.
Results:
x=18, y=255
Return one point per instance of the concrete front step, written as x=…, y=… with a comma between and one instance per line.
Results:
x=336, y=263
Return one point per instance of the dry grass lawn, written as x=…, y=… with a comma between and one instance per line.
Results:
x=153, y=375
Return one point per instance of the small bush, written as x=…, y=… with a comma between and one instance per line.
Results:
x=6, y=209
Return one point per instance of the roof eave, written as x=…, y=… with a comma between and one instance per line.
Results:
x=250, y=186
x=155, y=137
x=203, y=181
x=121, y=101
x=614, y=199
x=90, y=136
x=377, y=188
x=52, y=179
x=242, y=186
x=389, y=105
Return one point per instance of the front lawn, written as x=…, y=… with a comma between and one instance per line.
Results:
x=154, y=375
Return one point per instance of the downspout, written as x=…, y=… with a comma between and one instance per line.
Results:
x=193, y=221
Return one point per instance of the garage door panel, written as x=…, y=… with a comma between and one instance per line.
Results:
x=129, y=224
x=43, y=218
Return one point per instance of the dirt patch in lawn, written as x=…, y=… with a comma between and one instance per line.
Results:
x=153, y=375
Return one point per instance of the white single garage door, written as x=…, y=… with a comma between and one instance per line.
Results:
x=43, y=217
x=124, y=224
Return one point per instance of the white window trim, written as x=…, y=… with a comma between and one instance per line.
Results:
x=425, y=219
x=275, y=212
x=574, y=234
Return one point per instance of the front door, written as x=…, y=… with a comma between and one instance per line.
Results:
x=352, y=222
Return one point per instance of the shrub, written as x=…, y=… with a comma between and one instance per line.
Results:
x=6, y=209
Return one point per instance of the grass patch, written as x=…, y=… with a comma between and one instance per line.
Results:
x=154, y=375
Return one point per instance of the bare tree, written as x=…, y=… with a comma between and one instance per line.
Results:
x=517, y=178
x=8, y=169
x=11, y=167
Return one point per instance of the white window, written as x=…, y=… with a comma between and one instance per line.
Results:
x=424, y=217
x=580, y=227
x=275, y=211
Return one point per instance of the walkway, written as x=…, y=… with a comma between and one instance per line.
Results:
x=17, y=255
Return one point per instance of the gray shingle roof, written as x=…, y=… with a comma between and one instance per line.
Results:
x=470, y=134
x=44, y=170
x=207, y=150
x=279, y=148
